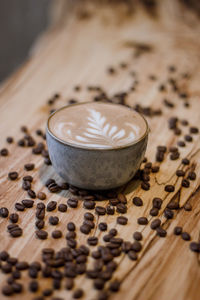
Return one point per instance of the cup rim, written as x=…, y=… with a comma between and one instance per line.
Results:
x=86, y=147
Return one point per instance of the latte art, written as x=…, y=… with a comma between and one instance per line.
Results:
x=97, y=125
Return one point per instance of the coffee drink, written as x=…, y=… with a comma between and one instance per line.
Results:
x=97, y=125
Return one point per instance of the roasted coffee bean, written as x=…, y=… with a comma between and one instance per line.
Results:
x=13, y=175
x=110, y=210
x=71, y=226
x=56, y=234
x=177, y=230
x=33, y=273
x=85, y=229
x=92, y=241
x=32, y=194
x=177, y=131
x=16, y=274
x=154, y=212
x=29, y=167
x=168, y=213
x=194, y=130
x=155, y=224
x=188, y=207
x=132, y=255
x=195, y=247
x=173, y=205
x=12, y=260
x=185, y=236
x=41, y=234
x=49, y=181
x=4, y=212
x=9, y=140
x=28, y=178
x=136, y=246
x=89, y=223
x=7, y=290
x=89, y=216
x=185, y=161
x=113, y=231
x=98, y=283
x=145, y=186
x=73, y=203
x=122, y=220
x=17, y=287
x=191, y=175
x=19, y=206
x=47, y=292
x=161, y=232
x=185, y=183
x=161, y=149
x=172, y=122
x=36, y=265
x=114, y=286
x=103, y=226
x=181, y=143
x=188, y=138
x=69, y=283
x=137, y=236
x=89, y=204
x=100, y=210
x=53, y=220
x=64, y=186
x=78, y=294
x=4, y=152
x=169, y=188
x=114, y=201
x=26, y=185
x=16, y=232
x=40, y=205
x=21, y=143
x=70, y=235
x=40, y=213
x=51, y=205
x=173, y=149
x=53, y=188
x=4, y=255
x=14, y=218
x=174, y=155
x=6, y=268
x=137, y=201
x=27, y=203
x=180, y=173
x=33, y=286
x=62, y=207
x=121, y=208
x=142, y=221
x=22, y=265
x=39, y=224
x=41, y=196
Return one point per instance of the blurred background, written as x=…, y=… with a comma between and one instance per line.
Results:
x=21, y=21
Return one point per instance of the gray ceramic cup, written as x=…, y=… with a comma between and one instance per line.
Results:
x=95, y=169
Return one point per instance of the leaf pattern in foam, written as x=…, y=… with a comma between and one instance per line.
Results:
x=100, y=132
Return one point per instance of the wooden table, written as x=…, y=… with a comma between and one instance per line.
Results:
x=77, y=50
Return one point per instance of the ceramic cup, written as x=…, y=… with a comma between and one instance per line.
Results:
x=95, y=169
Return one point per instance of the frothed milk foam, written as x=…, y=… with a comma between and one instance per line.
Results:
x=97, y=125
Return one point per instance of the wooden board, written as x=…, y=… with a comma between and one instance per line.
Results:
x=78, y=51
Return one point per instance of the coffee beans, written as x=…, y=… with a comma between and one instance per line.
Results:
x=71, y=226
x=157, y=203
x=73, y=203
x=4, y=212
x=103, y=226
x=121, y=208
x=142, y=221
x=169, y=188
x=195, y=247
x=92, y=241
x=7, y=290
x=192, y=175
x=15, y=231
x=14, y=218
x=137, y=201
x=41, y=196
x=137, y=236
x=41, y=234
x=155, y=224
x=4, y=152
x=122, y=220
x=62, y=207
x=53, y=220
x=185, y=236
x=78, y=294
x=27, y=203
x=168, y=213
x=13, y=175
x=89, y=204
x=161, y=232
x=185, y=183
x=100, y=210
x=29, y=167
x=180, y=173
x=188, y=207
x=56, y=234
x=177, y=230
x=32, y=194
x=51, y=205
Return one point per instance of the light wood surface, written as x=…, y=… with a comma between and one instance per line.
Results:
x=78, y=51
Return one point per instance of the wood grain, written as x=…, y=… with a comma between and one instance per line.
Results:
x=78, y=51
